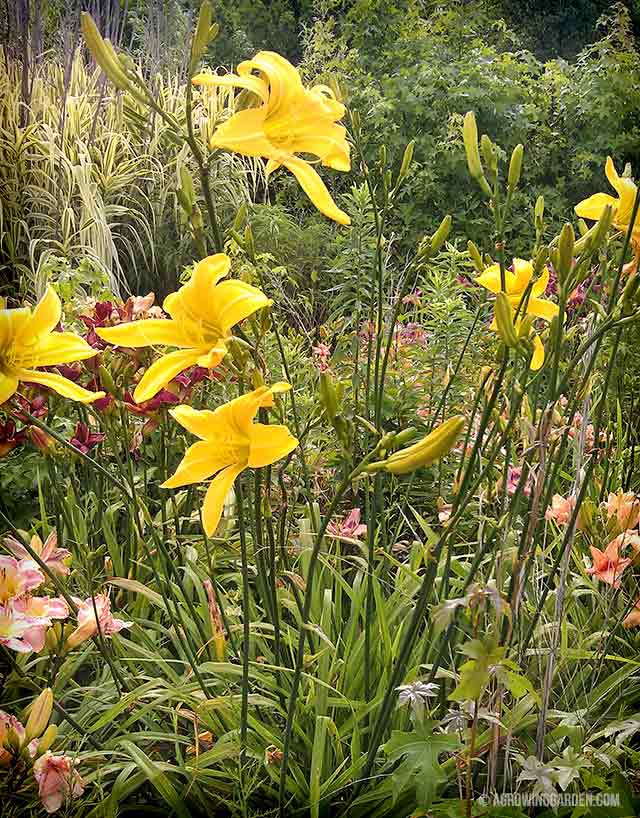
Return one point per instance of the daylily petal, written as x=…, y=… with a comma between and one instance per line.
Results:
x=216, y=495
x=538, y=353
x=62, y=348
x=148, y=332
x=249, y=81
x=63, y=386
x=46, y=314
x=284, y=81
x=612, y=175
x=200, y=461
x=198, y=296
x=218, y=429
x=315, y=189
x=593, y=207
x=212, y=357
x=541, y=284
x=542, y=308
x=490, y=279
x=235, y=301
x=244, y=133
x=162, y=371
x=523, y=270
x=8, y=386
x=269, y=443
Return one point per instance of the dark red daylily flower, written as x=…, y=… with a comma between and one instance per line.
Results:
x=154, y=404
x=37, y=407
x=84, y=440
x=10, y=437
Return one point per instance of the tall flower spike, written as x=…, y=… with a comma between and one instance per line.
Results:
x=229, y=443
x=290, y=120
x=593, y=207
x=202, y=311
x=516, y=282
x=28, y=341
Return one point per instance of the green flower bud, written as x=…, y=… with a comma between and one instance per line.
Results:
x=441, y=234
x=515, y=166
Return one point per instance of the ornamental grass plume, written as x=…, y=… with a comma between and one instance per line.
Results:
x=517, y=281
x=28, y=341
x=289, y=119
x=202, y=311
x=229, y=443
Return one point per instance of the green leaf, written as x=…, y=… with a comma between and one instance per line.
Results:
x=420, y=768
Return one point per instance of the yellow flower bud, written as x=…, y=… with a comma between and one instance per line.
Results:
x=47, y=739
x=441, y=234
x=476, y=257
x=470, y=139
x=426, y=451
x=39, y=715
x=103, y=53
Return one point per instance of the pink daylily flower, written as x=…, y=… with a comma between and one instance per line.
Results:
x=58, y=780
x=350, y=528
x=42, y=608
x=16, y=627
x=18, y=577
x=88, y=624
x=54, y=558
x=9, y=722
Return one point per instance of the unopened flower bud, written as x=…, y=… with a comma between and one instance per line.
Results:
x=504, y=321
x=39, y=715
x=515, y=166
x=406, y=161
x=470, y=138
x=328, y=396
x=103, y=53
x=565, y=251
x=47, y=739
x=476, y=257
x=441, y=234
x=40, y=439
x=425, y=452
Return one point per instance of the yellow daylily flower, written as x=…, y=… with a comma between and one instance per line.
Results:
x=229, y=443
x=291, y=119
x=592, y=207
x=28, y=341
x=516, y=283
x=202, y=312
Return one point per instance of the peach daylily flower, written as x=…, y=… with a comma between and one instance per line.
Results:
x=18, y=577
x=608, y=565
x=632, y=619
x=58, y=780
x=88, y=624
x=56, y=559
x=561, y=509
x=624, y=506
